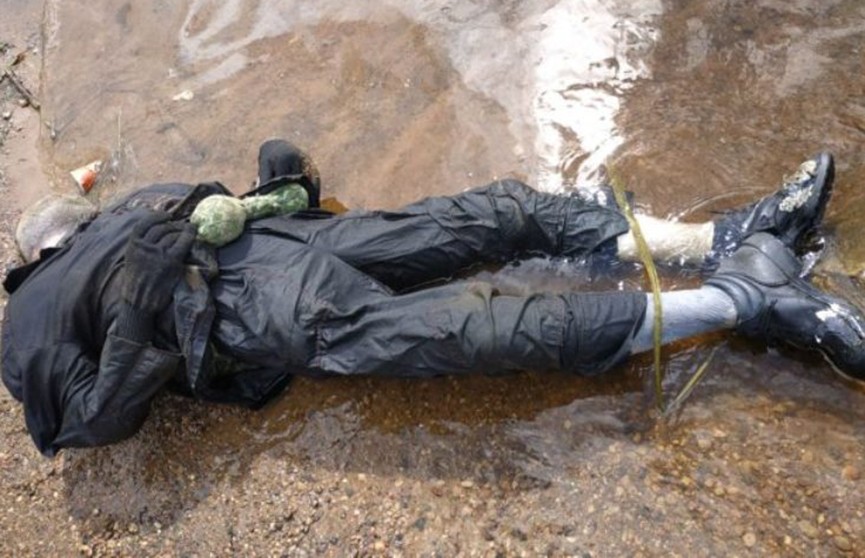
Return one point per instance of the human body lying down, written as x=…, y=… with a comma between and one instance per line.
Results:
x=137, y=298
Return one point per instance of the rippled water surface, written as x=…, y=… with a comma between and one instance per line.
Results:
x=697, y=105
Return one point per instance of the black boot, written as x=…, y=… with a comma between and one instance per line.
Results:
x=776, y=306
x=790, y=213
x=279, y=159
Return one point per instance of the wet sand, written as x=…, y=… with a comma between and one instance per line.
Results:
x=705, y=101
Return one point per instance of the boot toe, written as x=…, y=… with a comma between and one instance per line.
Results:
x=840, y=336
x=802, y=201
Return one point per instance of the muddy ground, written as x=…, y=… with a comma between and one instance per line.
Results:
x=766, y=459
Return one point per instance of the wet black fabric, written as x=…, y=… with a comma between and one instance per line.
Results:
x=80, y=384
x=329, y=304
x=280, y=162
x=303, y=295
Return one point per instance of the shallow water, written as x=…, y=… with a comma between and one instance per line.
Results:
x=698, y=106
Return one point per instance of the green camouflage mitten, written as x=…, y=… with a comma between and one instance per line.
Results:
x=220, y=219
x=285, y=199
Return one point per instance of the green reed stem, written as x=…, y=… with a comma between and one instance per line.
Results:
x=654, y=283
x=692, y=383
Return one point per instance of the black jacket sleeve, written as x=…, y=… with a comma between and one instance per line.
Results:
x=70, y=400
x=84, y=364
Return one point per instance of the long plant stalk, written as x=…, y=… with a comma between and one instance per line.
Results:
x=692, y=383
x=654, y=283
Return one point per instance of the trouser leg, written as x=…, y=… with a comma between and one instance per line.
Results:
x=468, y=328
x=437, y=237
x=286, y=305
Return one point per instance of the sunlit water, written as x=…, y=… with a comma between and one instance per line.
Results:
x=558, y=69
x=696, y=105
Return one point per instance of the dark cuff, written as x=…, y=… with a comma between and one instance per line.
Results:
x=134, y=324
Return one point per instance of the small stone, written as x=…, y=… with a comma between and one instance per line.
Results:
x=379, y=545
x=23, y=103
x=843, y=543
x=133, y=528
x=467, y=484
x=7, y=115
x=808, y=529
x=186, y=95
x=851, y=473
x=750, y=539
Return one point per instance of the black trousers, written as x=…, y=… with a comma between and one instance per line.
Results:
x=344, y=295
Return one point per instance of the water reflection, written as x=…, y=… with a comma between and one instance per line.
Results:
x=555, y=70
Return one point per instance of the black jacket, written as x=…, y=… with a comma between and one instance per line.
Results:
x=80, y=384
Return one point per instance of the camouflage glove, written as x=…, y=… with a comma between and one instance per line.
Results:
x=283, y=200
x=220, y=219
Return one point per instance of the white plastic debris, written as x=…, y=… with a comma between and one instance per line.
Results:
x=187, y=95
x=86, y=176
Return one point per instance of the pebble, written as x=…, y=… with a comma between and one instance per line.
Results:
x=808, y=529
x=851, y=473
x=23, y=103
x=750, y=539
x=186, y=95
x=843, y=543
x=7, y=115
